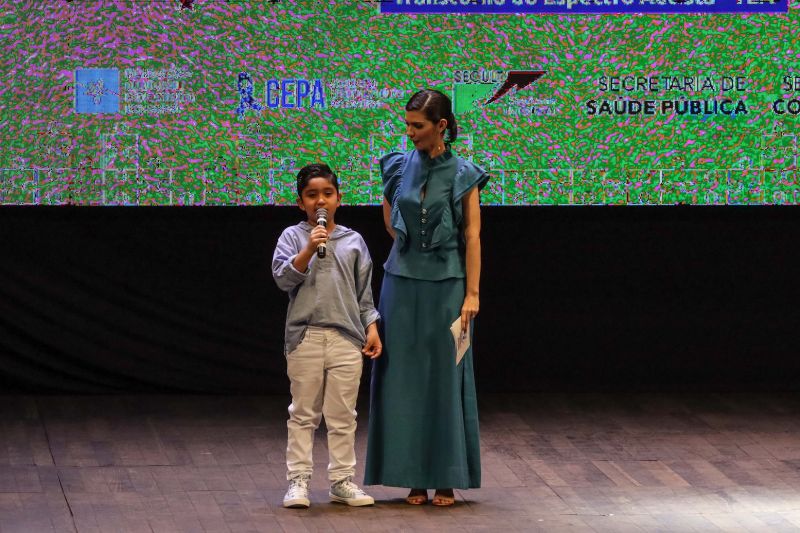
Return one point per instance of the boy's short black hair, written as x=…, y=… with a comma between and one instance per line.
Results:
x=317, y=170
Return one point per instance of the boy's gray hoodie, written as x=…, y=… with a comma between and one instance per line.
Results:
x=335, y=291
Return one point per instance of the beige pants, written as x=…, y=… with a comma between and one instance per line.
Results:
x=325, y=371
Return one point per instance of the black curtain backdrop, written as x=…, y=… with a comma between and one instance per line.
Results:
x=99, y=300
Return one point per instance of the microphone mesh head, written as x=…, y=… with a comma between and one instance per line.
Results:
x=322, y=214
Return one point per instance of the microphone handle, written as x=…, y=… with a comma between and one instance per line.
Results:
x=321, y=248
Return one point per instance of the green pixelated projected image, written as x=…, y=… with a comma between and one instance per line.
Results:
x=151, y=103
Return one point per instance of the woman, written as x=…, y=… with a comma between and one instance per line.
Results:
x=423, y=423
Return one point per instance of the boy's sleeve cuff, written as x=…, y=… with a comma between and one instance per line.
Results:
x=292, y=273
x=369, y=318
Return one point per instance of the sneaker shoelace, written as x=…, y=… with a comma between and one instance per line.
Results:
x=349, y=488
x=298, y=487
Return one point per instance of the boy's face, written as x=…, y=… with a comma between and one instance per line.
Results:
x=319, y=192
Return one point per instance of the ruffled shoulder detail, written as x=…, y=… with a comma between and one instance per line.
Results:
x=468, y=175
x=392, y=166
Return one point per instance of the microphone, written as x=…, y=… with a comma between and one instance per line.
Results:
x=322, y=220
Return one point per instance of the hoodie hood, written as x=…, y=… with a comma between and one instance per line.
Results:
x=338, y=232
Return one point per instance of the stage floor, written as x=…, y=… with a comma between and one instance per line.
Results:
x=551, y=462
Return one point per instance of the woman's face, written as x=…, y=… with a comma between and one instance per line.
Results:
x=425, y=135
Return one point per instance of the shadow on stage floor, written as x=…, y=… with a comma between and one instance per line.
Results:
x=551, y=462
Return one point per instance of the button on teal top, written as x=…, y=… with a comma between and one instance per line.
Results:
x=429, y=241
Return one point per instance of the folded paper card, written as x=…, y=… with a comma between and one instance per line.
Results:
x=460, y=338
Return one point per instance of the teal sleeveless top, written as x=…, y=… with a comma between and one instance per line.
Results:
x=429, y=239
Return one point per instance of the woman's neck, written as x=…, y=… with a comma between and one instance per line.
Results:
x=436, y=151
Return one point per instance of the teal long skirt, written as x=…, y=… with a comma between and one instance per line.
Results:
x=423, y=417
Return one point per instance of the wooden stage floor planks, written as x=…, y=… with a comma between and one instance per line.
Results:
x=551, y=462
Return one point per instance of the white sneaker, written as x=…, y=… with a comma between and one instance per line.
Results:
x=345, y=491
x=297, y=493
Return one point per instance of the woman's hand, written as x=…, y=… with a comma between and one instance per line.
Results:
x=472, y=235
x=469, y=310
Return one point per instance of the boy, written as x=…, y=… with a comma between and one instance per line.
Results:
x=330, y=323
